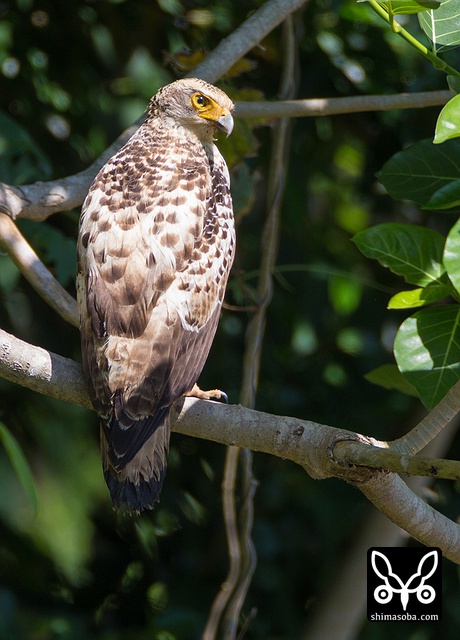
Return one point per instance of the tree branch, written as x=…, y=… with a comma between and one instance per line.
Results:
x=40, y=200
x=35, y=272
x=339, y=106
x=245, y=38
x=383, y=458
x=42, y=371
x=307, y=443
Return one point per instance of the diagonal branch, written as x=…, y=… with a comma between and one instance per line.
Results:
x=33, y=269
x=245, y=38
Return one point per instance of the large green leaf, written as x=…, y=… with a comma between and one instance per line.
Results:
x=408, y=250
x=20, y=465
x=427, y=351
x=417, y=172
x=452, y=255
x=442, y=26
x=448, y=123
x=406, y=7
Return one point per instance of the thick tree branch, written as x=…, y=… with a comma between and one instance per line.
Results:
x=42, y=371
x=306, y=443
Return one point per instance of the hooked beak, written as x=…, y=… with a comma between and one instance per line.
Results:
x=225, y=123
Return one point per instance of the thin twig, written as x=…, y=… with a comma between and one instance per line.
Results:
x=233, y=544
x=435, y=60
x=313, y=107
x=431, y=425
x=35, y=272
x=362, y=455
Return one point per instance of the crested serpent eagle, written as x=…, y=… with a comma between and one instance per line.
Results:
x=155, y=247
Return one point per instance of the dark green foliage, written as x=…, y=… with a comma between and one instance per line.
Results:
x=73, y=74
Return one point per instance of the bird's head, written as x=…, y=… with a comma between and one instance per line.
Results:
x=195, y=104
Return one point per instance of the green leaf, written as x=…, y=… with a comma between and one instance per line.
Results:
x=420, y=297
x=416, y=173
x=427, y=351
x=452, y=255
x=20, y=465
x=448, y=197
x=448, y=123
x=390, y=377
x=442, y=26
x=410, y=251
x=406, y=7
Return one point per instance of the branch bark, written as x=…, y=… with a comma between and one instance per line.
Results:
x=307, y=443
x=35, y=272
x=335, y=106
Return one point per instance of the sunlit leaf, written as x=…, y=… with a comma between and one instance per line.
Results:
x=420, y=297
x=407, y=7
x=452, y=255
x=427, y=351
x=448, y=123
x=410, y=251
x=442, y=26
x=390, y=377
x=20, y=465
x=417, y=172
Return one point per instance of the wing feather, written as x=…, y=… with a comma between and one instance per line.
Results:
x=154, y=265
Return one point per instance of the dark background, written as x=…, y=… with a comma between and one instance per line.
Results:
x=73, y=75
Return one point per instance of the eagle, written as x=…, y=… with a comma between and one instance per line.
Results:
x=155, y=246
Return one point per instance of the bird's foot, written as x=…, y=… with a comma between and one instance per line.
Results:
x=214, y=394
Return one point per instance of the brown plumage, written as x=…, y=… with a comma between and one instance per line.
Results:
x=155, y=248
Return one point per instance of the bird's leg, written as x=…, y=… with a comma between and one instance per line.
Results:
x=214, y=394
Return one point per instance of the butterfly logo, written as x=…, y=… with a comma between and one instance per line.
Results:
x=392, y=583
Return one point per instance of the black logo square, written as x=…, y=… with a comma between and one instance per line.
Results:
x=404, y=583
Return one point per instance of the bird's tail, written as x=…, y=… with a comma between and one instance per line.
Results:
x=138, y=484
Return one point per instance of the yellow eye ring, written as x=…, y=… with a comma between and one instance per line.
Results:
x=199, y=101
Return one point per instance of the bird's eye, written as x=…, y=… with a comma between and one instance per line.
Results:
x=199, y=100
